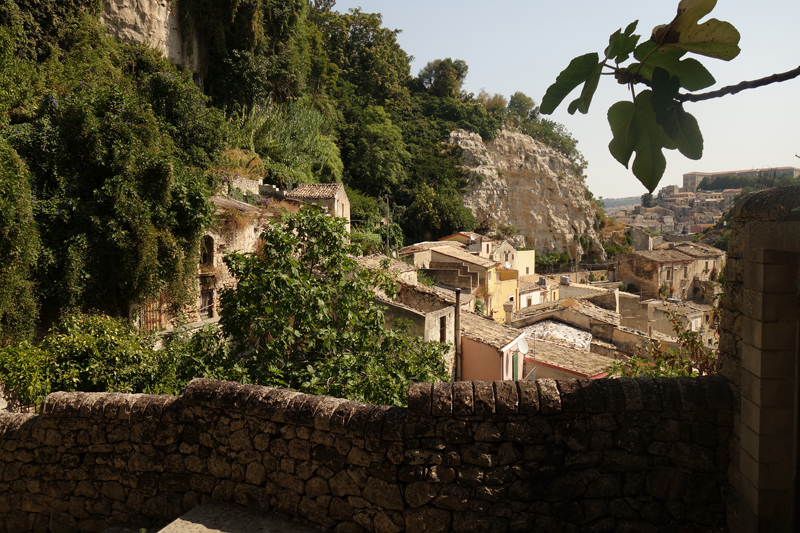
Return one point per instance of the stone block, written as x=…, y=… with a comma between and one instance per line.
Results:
x=506, y=397
x=324, y=412
x=571, y=394
x=420, y=399
x=549, y=397
x=463, y=404
x=483, y=395
x=632, y=393
x=528, y=397
x=428, y=519
x=373, y=425
x=393, y=423
x=442, y=399
x=613, y=394
x=651, y=394
x=593, y=398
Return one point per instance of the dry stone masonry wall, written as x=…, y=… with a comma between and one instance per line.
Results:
x=516, y=180
x=610, y=455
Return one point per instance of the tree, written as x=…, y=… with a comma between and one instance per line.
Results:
x=303, y=315
x=443, y=77
x=655, y=119
x=647, y=200
x=521, y=108
x=376, y=153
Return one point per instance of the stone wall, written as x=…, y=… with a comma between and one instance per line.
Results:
x=609, y=455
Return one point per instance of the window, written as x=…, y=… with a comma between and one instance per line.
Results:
x=506, y=257
x=669, y=274
x=685, y=272
x=706, y=265
x=443, y=329
x=527, y=270
x=530, y=301
x=207, y=251
x=487, y=248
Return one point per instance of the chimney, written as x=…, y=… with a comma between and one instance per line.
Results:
x=508, y=307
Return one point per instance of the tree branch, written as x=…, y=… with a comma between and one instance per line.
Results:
x=733, y=89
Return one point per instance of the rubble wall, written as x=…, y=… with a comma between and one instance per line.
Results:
x=626, y=454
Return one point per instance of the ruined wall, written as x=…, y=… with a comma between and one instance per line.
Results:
x=471, y=456
x=516, y=180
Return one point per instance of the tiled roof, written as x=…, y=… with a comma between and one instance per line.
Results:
x=593, y=311
x=466, y=257
x=444, y=294
x=315, y=191
x=429, y=245
x=664, y=256
x=374, y=262
x=223, y=203
x=685, y=307
x=696, y=249
x=487, y=331
x=472, y=236
x=587, y=363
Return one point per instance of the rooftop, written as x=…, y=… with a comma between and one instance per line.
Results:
x=487, y=331
x=466, y=257
x=374, y=261
x=223, y=203
x=429, y=245
x=664, y=256
x=696, y=249
x=560, y=355
x=315, y=190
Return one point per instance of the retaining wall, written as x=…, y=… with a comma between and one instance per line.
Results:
x=571, y=455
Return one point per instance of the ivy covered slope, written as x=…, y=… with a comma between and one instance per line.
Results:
x=102, y=155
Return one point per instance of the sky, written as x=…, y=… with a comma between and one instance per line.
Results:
x=522, y=45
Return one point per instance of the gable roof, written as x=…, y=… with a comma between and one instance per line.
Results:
x=374, y=261
x=466, y=257
x=487, y=331
x=315, y=191
x=664, y=256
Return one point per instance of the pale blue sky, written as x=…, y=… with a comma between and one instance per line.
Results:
x=522, y=45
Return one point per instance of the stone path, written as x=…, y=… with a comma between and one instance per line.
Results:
x=218, y=517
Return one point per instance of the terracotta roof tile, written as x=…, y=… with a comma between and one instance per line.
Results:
x=315, y=191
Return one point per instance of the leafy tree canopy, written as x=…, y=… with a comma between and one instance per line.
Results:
x=303, y=315
x=443, y=77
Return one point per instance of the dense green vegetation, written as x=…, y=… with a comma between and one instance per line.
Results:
x=302, y=316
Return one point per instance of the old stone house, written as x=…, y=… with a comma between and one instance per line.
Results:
x=331, y=196
x=670, y=271
x=238, y=228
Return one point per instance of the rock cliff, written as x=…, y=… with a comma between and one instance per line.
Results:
x=519, y=181
x=157, y=24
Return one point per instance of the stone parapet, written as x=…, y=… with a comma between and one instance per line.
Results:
x=465, y=456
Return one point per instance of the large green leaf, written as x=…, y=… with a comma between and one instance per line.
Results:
x=635, y=130
x=578, y=71
x=693, y=75
x=679, y=125
x=585, y=99
x=620, y=45
x=712, y=38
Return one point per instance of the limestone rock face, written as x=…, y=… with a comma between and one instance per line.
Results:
x=155, y=23
x=519, y=181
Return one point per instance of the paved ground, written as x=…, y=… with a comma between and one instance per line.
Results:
x=219, y=517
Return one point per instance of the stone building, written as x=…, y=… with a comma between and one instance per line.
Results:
x=488, y=349
x=238, y=230
x=673, y=270
x=331, y=196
